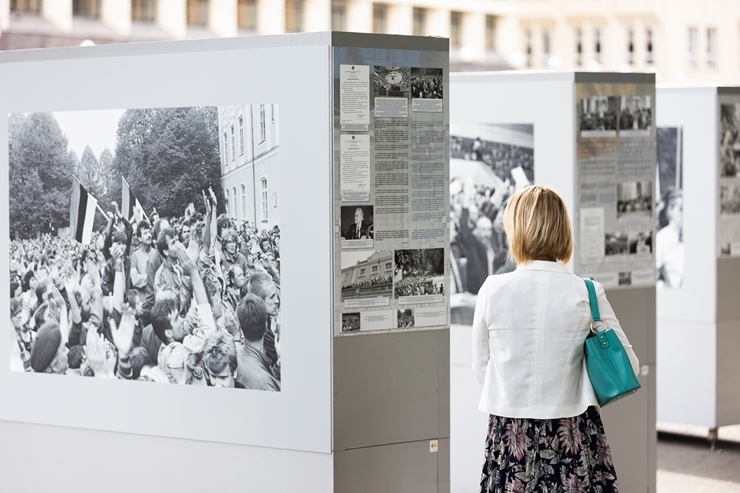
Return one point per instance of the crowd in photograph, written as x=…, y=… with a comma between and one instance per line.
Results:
x=405, y=319
x=428, y=86
x=500, y=158
x=418, y=286
x=193, y=299
x=375, y=281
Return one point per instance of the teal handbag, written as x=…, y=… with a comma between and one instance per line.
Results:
x=607, y=363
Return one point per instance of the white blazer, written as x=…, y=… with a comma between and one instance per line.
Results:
x=528, y=333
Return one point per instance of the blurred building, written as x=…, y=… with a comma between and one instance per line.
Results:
x=680, y=40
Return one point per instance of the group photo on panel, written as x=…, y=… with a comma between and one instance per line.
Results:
x=129, y=265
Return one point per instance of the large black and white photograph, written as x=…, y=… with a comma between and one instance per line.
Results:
x=357, y=226
x=145, y=247
x=729, y=141
x=669, y=244
x=367, y=275
x=488, y=164
x=419, y=275
x=634, y=200
x=426, y=83
x=635, y=115
x=598, y=116
x=392, y=82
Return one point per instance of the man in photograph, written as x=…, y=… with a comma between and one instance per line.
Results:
x=264, y=287
x=140, y=258
x=480, y=254
x=358, y=229
x=254, y=369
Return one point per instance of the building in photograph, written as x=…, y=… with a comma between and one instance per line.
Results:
x=249, y=145
x=369, y=278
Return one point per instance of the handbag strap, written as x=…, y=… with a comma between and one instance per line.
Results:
x=592, y=300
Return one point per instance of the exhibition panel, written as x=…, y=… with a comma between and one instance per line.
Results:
x=591, y=136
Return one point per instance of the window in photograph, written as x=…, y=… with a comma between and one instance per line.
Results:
x=25, y=6
x=456, y=20
x=263, y=131
x=491, y=32
x=236, y=203
x=338, y=15
x=241, y=135
x=86, y=8
x=293, y=16
x=630, y=47
x=711, y=47
x=649, y=46
x=388, y=265
x=233, y=145
x=143, y=10
x=374, y=270
x=380, y=18
x=263, y=184
x=419, y=21
x=226, y=192
x=597, y=45
x=246, y=15
x=528, y=47
x=226, y=150
x=244, y=202
x=692, y=41
x=197, y=12
x=362, y=271
x=579, y=48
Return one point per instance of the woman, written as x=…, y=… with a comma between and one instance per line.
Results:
x=545, y=431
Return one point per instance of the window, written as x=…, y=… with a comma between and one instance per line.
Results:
x=362, y=271
x=692, y=47
x=233, y=144
x=649, y=47
x=86, y=8
x=528, y=47
x=374, y=269
x=143, y=10
x=456, y=20
x=244, y=202
x=235, y=208
x=263, y=130
x=630, y=47
x=420, y=18
x=711, y=47
x=26, y=6
x=380, y=18
x=226, y=150
x=246, y=14
x=263, y=184
x=293, y=16
x=197, y=12
x=491, y=32
x=241, y=135
x=226, y=191
x=579, y=47
x=388, y=266
x=338, y=15
x=597, y=45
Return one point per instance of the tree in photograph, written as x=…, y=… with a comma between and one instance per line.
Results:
x=40, y=175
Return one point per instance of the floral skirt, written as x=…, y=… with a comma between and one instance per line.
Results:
x=567, y=455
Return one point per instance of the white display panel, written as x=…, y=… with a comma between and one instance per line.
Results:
x=207, y=73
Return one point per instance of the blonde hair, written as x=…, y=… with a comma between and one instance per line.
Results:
x=537, y=226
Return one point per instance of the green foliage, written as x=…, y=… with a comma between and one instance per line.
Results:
x=40, y=174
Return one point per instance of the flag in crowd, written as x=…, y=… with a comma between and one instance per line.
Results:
x=81, y=213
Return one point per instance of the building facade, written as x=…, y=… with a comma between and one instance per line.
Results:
x=249, y=145
x=679, y=40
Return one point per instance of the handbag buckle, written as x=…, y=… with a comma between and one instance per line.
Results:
x=593, y=325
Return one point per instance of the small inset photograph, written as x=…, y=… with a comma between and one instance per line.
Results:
x=641, y=243
x=729, y=200
x=357, y=227
x=625, y=278
x=419, y=272
x=367, y=274
x=405, y=318
x=634, y=199
x=598, y=116
x=426, y=83
x=351, y=322
x=392, y=82
x=635, y=115
x=729, y=141
x=616, y=244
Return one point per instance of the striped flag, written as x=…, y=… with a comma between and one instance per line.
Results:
x=128, y=200
x=81, y=213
